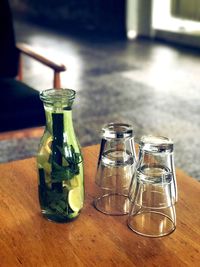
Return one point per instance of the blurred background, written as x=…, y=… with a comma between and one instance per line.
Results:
x=136, y=61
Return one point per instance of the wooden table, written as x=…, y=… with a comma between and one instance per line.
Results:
x=94, y=239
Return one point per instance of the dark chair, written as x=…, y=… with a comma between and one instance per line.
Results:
x=20, y=106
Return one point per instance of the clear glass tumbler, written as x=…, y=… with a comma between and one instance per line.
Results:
x=157, y=152
x=152, y=211
x=115, y=169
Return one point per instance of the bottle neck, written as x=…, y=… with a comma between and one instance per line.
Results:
x=58, y=118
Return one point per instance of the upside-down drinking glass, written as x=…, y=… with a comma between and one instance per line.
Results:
x=115, y=169
x=157, y=152
x=153, y=190
x=152, y=210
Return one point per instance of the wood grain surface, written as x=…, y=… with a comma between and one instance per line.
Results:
x=94, y=239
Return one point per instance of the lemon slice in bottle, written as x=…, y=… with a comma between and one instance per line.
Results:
x=75, y=199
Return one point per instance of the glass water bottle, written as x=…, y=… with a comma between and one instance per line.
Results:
x=59, y=159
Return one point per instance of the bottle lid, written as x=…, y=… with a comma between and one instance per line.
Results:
x=117, y=130
x=156, y=144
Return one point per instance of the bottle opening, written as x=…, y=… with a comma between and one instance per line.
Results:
x=62, y=96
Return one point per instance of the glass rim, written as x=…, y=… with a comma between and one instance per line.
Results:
x=148, y=234
x=115, y=130
x=53, y=95
x=156, y=143
x=163, y=179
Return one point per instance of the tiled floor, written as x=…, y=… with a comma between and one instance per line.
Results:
x=154, y=86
